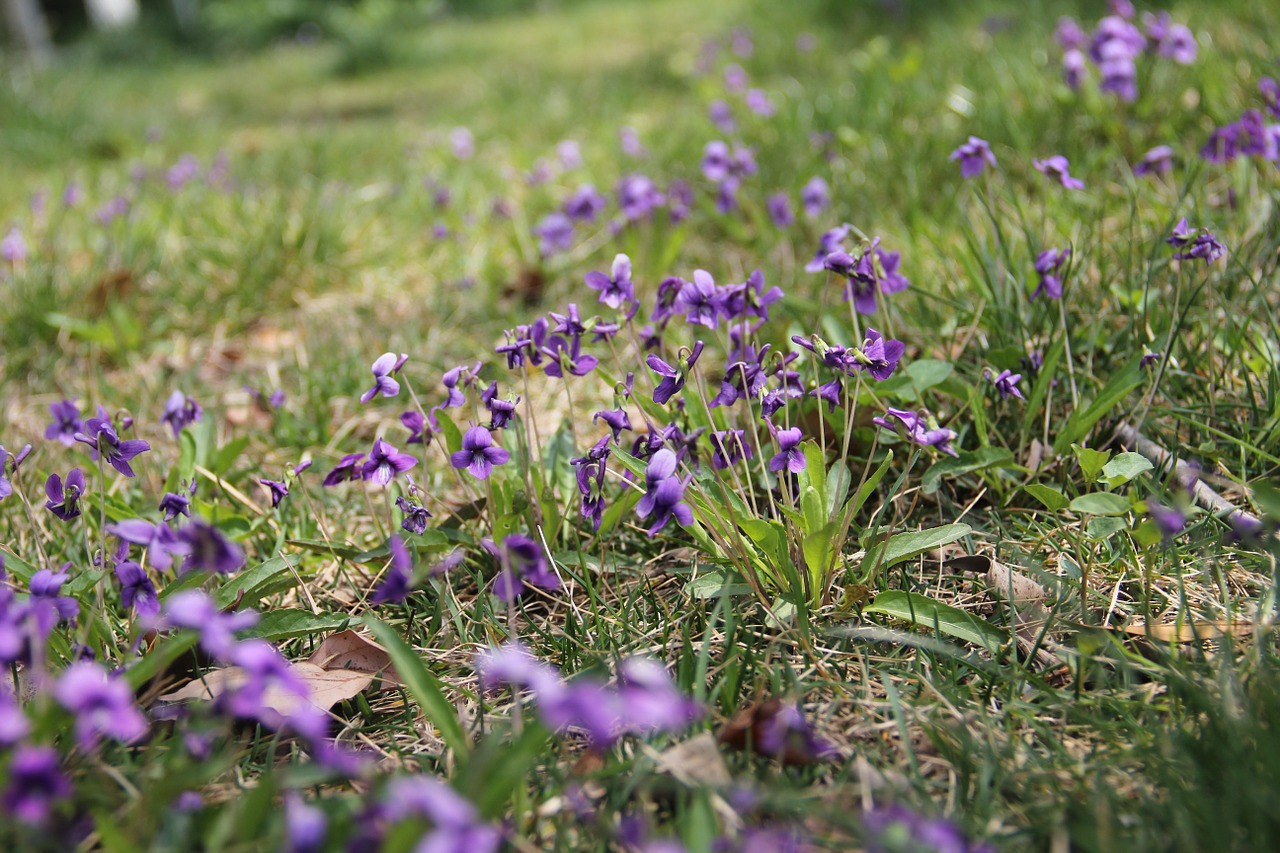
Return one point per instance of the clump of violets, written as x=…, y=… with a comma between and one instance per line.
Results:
x=974, y=156
x=1157, y=161
x=523, y=565
x=1116, y=45
x=644, y=700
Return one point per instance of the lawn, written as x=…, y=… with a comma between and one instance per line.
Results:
x=649, y=426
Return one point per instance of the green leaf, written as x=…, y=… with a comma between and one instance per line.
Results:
x=904, y=546
x=1101, y=503
x=452, y=435
x=1104, y=527
x=1053, y=499
x=817, y=555
x=943, y=618
x=717, y=584
x=498, y=768
x=1111, y=395
x=227, y=454
x=424, y=687
x=812, y=509
x=291, y=622
x=1124, y=468
x=838, y=482
x=815, y=470
x=929, y=372
x=159, y=658
x=262, y=580
x=1090, y=461
x=974, y=460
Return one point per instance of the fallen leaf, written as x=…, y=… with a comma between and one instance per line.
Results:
x=352, y=652
x=325, y=688
x=696, y=761
x=1186, y=632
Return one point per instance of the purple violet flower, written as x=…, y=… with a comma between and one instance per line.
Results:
x=479, y=454
x=673, y=378
x=1195, y=245
x=136, y=589
x=700, y=300
x=208, y=548
x=523, y=565
x=385, y=462
x=1049, y=264
x=664, y=493
x=1057, y=167
x=555, y=234
x=64, y=498
x=66, y=422
x=394, y=587
x=179, y=411
x=918, y=429
x=102, y=437
x=36, y=784
x=102, y=704
x=348, y=468
x=779, y=207
x=729, y=446
x=974, y=156
x=789, y=454
x=585, y=204
x=1006, y=382
x=279, y=491
x=384, y=367
x=1157, y=161
x=616, y=289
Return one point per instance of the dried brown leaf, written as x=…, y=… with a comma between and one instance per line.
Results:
x=1186, y=632
x=352, y=652
x=325, y=688
x=696, y=761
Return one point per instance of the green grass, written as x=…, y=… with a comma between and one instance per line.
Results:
x=320, y=255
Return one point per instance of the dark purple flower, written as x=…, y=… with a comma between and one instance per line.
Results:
x=1006, y=383
x=789, y=454
x=523, y=564
x=716, y=161
x=555, y=234
x=48, y=608
x=590, y=477
x=64, y=498
x=585, y=204
x=174, y=504
x=664, y=493
x=394, y=587
x=66, y=422
x=815, y=197
x=1176, y=42
x=417, y=426
x=831, y=241
x=36, y=784
x=1195, y=245
x=788, y=735
x=728, y=446
x=304, y=826
x=877, y=356
x=1074, y=68
x=6, y=487
x=616, y=419
x=384, y=367
x=101, y=436
x=567, y=356
x=1049, y=264
x=180, y=410
x=779, y=207
x=1069, y=35
x=899, y=828
x=923, y=431
x=479, y=454
x=14, y=725
x=208, y=549
x=757, y=100
x=415, y=516
x=721, y=115
x=650, y=700
x=700, y=300
x=1170, y=521
x=1157, y=161
x=193, y=609
x=974, y=156
x=279, y=491
x=348, y=468
x=830, y=392
x=1149, y=358
x=385, y=462
x=860, y=275
x=673, y=378
x=1057, y=167
x=638, y=197
x=136, y=589
x=161, y=542
x=616, y=289
x=101, y=703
